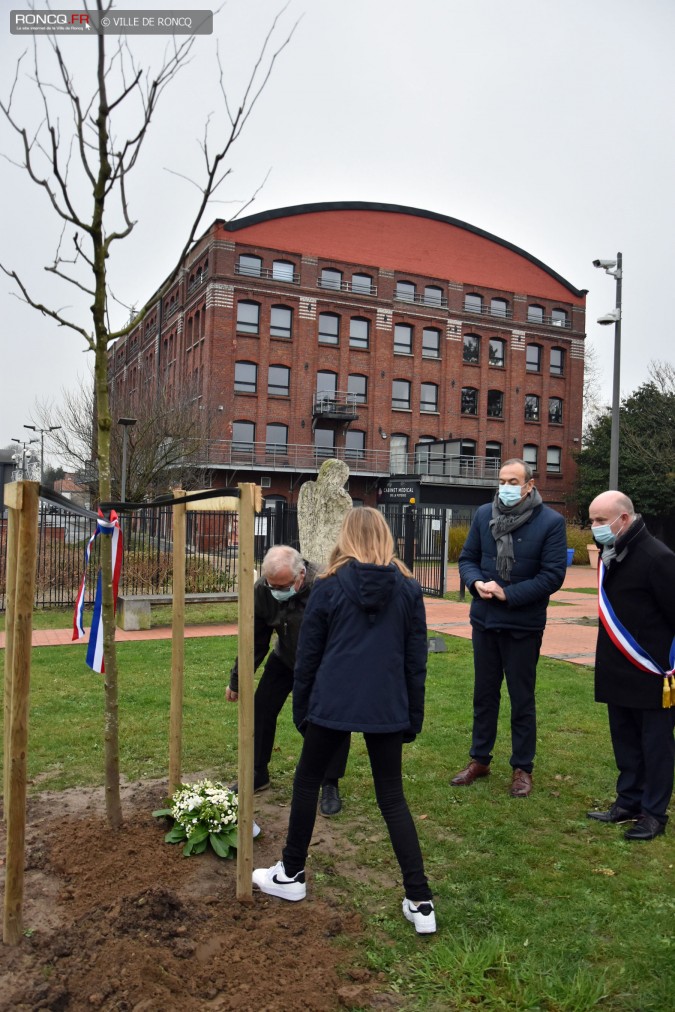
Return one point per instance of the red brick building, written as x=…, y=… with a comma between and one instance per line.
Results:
x=367, y=331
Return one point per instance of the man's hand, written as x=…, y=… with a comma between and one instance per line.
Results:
x=489, y=590
x=231, y=696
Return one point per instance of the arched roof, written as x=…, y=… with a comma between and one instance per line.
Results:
x=405, y=239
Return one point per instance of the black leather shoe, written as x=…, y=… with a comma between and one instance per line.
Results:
x=646, y=828
x=331, y=802
x=615, y=814
x=260, y=784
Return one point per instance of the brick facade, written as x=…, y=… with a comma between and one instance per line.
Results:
x=193, y=335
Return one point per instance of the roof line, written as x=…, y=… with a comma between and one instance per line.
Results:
x=366, y=205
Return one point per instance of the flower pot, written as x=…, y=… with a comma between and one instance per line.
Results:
x=570, y=556
x=593, y=553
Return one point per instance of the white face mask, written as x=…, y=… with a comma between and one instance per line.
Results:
x=604, y=534
x=509, y=495
x=283, y=595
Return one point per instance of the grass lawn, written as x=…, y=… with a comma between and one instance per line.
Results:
x=539, y=908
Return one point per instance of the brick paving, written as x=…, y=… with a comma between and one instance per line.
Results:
x=569, y=635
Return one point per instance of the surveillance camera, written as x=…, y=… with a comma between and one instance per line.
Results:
x=608, y=318
x=607, y=264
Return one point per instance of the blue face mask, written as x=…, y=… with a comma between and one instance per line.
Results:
x=509, y=495
x=282, y=595
x=604, y=534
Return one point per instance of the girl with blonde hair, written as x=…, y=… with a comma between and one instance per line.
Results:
x=360, y=666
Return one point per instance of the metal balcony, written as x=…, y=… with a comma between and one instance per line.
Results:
x=339, y=406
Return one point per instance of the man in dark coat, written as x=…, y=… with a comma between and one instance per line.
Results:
x=514, y=558
x=279, y=600
x=638, y=601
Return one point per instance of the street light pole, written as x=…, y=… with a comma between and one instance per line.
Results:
x=126, y=423
x=35, y=428
x=615, y=268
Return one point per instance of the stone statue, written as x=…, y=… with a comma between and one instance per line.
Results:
x=322, y=505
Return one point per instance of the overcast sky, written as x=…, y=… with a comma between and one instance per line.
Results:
x=546, y=122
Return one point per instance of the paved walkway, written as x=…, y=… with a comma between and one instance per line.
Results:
x=569, y=634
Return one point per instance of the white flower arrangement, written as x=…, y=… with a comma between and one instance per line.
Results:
x=203, y=813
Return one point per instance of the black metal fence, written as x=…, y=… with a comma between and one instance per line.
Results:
x=212, y=548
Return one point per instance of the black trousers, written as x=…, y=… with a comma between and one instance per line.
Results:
x=319, y=749
x=498, y=655
x=644, y=749
x=274, y=688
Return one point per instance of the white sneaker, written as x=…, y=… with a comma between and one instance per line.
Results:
x=421, y=915
x=275, y=882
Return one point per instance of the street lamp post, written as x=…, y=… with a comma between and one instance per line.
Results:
x=615, y=268
x=36, y=428
x=126, y=423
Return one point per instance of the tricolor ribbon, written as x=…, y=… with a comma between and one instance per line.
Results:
x=95, y=658
x=627, y=645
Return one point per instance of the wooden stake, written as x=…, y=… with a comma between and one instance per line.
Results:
x=177, y=644
x=21, y=656
x=245, y=653
x=13, y=499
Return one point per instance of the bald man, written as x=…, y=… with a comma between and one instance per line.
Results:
x=637, y=599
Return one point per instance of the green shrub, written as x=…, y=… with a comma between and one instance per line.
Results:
x=456, y=541
x=578, y=538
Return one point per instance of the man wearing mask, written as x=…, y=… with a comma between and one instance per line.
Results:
x=514, y=558
x=635, y=654
x=279, y=600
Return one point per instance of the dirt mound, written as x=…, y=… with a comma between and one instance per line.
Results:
x=122, y=921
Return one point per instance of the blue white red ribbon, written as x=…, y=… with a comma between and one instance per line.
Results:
x=623, y=640
x=95, y=658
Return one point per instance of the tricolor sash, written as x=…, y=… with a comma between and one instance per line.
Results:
x=629, y=647
x=95, y=658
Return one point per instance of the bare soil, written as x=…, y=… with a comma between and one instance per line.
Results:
x=122, y=921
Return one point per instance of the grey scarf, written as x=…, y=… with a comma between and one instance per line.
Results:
x=505, y=520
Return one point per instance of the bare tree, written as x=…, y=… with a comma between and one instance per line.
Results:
x=167, y=447
x=592, y=402
x=99, y=145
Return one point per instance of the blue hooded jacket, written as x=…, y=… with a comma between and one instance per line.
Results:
x=362, y=653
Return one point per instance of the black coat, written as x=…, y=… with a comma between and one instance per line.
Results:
x=362, y=653
x=640, y=586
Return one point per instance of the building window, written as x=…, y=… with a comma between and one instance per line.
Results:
x=248, y=317
x=398, y=454
x=403, y=334
x=557, y=361
x=553, y=460
x=530, y=452
x=331, y=278
x=497, y=352
x=281, y=321
x=400, y=394
x=326, y=383
x=283, y=270
x=499, y=307
x=276, y=439
x=243, y=437
x=405, y=291
x=535, y=314
x=433, y=296
x=473, y=303
x=355, y=444
x=471, y=351
x=329, y=328
x=359, y=332
x=362, y=284
x=278, y=381
x=245, y=377
x=531, y=408
x=533, y=358
x=324, y=442
x=493, y=455
x=555, y=410
x=559, y=319
x=495, y=404
x=250, y=265
x=431, y=343
x=429, y=397
x=469, y=401
x=357, y=387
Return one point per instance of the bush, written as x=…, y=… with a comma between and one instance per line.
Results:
x=577, y=538
x=456, y=541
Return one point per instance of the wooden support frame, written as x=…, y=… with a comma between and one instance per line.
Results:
x=22, y=498
x=177, y=643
